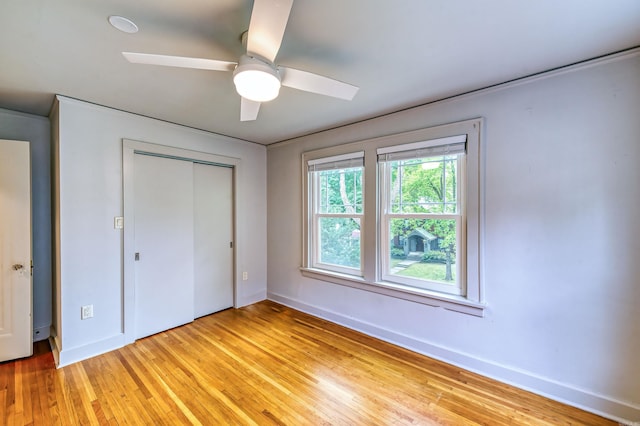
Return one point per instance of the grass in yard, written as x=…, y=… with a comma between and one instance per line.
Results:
x=428, y=271
x=395, y=261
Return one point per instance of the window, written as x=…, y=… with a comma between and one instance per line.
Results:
x=399, y=215
x=337, y=212
x=422, y=217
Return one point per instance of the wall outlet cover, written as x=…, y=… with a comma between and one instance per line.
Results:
x=86, y=312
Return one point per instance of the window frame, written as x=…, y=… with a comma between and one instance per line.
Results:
x=472, y=302
x=316, y=216
x=385, y=215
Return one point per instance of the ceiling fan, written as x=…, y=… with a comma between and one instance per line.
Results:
x=256, y=77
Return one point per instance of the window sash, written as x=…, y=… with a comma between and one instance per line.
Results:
x=388, y=204
x=458, y=289
x=316, y=261
x=472, y=301
x=386, y=215
x=344, y=161
x=322, y=207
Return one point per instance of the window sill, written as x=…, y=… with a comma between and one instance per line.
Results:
x=426, y=297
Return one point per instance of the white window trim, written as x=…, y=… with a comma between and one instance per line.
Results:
x=349, y=160
x=473, y=302
x=413, y=151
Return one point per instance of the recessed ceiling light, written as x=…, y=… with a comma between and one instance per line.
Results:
x=123, y=24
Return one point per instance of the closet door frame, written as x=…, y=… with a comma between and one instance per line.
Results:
x=129, y=149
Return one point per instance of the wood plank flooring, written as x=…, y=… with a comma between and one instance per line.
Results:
x=264, y=365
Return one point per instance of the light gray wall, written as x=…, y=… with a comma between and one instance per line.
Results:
x=35, y=129
x=90, y=265
x=561, y=238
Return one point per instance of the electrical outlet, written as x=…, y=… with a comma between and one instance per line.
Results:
x=245, y=276
x=86, y=312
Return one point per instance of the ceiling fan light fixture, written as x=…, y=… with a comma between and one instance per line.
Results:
x=256, y=80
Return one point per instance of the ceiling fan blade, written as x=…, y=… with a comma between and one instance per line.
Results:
x=310, y=82
x=248, y=109
x=268, y=21
x=179, y=61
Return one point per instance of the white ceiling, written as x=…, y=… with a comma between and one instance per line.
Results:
x=401, y=53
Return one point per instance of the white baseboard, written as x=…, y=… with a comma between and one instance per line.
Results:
x=64, y=357
x=69, y=356
x=620, y=411
x=250, y=299
x=41, y=333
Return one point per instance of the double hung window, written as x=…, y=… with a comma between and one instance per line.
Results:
x=422, y=214
x=398, y=215
x=337, y=212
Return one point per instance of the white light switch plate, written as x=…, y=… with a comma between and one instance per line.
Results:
x=118, y=222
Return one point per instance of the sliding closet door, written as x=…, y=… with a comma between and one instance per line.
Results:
x=213, y=234
x=164, y=243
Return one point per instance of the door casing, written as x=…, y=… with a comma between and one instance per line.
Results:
x=129, y=150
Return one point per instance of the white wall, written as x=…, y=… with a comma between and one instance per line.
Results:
x=561, y=238
x=35, y=129
x=88, y=147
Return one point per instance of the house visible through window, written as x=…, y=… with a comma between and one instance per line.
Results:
x=422, y=224
x=399, y=215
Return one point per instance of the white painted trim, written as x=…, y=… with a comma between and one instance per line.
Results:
x=426, y=297
x=69, y=356
x=620, y=411
x=250, y=299
x=371, y=280
x=41, y=333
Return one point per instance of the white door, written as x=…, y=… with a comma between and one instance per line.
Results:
x=15, y=251
x=213, y=233
x=163, y=222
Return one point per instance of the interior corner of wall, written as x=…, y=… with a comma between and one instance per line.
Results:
x=70, y=356
x=55, y=345
x=41, y=333
x=250, y=299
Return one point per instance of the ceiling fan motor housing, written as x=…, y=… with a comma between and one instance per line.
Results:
x=256, y=79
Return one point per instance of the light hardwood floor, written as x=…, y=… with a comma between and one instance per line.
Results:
x=264, y=365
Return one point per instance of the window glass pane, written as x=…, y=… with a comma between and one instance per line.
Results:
x=339, y=241
x=424, y=249
x=424, y=185
x=340, y=191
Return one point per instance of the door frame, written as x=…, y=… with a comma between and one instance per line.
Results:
x=129, y=149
